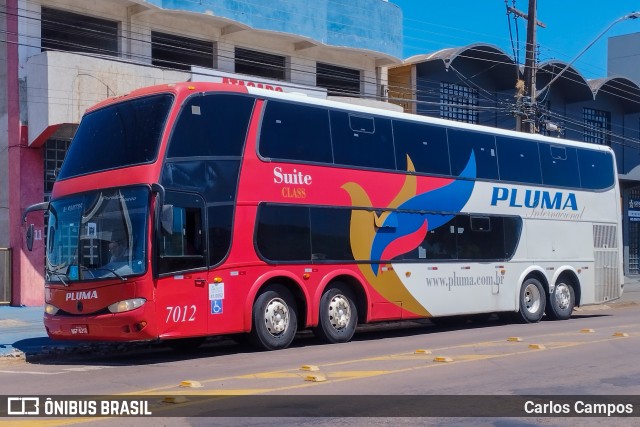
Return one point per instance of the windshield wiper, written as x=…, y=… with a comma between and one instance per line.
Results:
x=58, y=274
x=112, y=272
x=85, y=268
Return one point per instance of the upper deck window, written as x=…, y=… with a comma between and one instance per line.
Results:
x=124, y=134
x=296, y=132
x=211, y=125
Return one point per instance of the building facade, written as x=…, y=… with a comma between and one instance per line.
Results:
x=61, y=56
x=478, y=84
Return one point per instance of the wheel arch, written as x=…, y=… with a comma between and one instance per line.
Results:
x=570, y=274
x=353, y=283
x=289, y=281
x=537, y=273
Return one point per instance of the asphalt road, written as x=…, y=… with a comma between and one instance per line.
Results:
x=593, y=353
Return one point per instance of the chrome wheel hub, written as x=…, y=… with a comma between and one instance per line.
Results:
x=532, y=298
x=339, y=312
x=563, y=296
x=276, y=316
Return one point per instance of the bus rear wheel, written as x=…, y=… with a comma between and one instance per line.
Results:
x=338, y=315
x=274, y=319
x=561, y=301
x=532, y=301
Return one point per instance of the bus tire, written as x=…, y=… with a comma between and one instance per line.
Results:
x=274, y=319
x=532, y=301
x=338, y=315
x=561, y=301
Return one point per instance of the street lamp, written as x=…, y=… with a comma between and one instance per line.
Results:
x=632, y=15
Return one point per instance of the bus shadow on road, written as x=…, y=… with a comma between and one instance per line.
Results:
x=42, y=351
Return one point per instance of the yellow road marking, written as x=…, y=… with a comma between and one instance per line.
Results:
x=271, y=375
x=334, y=377
x=357, y=374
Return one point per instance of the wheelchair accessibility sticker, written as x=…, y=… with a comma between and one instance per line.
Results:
x=216, y=306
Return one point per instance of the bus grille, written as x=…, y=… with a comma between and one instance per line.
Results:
x=607, y=269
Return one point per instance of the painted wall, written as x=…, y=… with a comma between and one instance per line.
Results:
x=361, y=24
x=623, y=56
x=4, y=137
x=62, y=85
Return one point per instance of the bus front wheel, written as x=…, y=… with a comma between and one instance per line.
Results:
x=532, y=301
x=338, y=315
x=561, y=301
x=274, y=319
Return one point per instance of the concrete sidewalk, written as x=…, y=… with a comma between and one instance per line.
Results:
x=22, y=333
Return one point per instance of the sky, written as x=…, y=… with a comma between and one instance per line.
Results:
x=571, y=25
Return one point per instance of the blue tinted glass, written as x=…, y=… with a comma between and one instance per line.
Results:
x=519, y=160
x=295, y=132
x=559, y=165
x=426, y=146
x=283, y=234
x=596, y=169
x=211, y=125
x=366, y=149
x=362, y=124
x=461, y=143
x=122, y=134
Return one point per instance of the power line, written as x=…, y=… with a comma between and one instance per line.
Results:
x=227, y=54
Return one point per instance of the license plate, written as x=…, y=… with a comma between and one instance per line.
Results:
x=79, y=330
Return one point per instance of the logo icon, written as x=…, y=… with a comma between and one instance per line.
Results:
x=23, y=406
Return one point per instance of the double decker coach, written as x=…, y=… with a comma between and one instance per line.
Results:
x=198, y=209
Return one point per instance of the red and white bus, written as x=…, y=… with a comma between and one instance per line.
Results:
x=197, y=209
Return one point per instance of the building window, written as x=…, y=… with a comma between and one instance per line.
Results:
x=634, y=233
x=597, y=126
x=338, y=80
x=180, y=53
x=54, y=152
x=260, y=64
x=73, y=32
x=458, y=102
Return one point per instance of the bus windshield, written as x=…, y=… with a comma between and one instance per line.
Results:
x=124, y=134
x=97, y=235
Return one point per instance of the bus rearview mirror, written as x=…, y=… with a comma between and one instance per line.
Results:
x=30, y=233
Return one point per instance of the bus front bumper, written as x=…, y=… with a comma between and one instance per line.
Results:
x=134, y=325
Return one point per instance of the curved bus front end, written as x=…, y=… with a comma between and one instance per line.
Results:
x=97, y=264
x=98, y=269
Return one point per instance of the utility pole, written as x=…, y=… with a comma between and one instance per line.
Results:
x=526, y=109
x=530, y=66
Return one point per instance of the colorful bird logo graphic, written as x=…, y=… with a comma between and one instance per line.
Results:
x=403, y=227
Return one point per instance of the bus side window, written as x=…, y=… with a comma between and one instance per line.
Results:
x=211, y=125
x=519, y=160
x=182, y=239
x=426, y=146
x=362, y=141
x=596, y=169
x=559, y=165
x=483, y=145
x=283, y=233
x=295, y=132
x=480, y=237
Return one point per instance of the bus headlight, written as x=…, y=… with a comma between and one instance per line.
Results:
x=126, y=305
x=50, y=309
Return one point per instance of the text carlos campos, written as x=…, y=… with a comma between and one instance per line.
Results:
x=579, y=407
